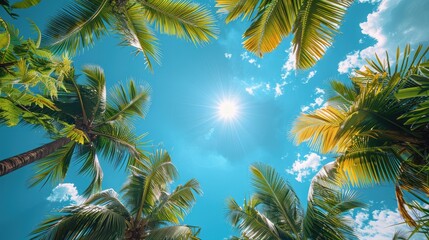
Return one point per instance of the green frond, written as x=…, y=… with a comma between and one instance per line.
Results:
x=85, y=221
x=250, y=222
x=273, y=22
x=119, y=144
x=76, y=25
x=97, y=81
x=147, y=182
x=174, y=206
x=235, y=8
x=54, y=167
x=180, y=232
x=181, y=18
x=125, y=102
x=366, y=163
x=133, y=27
x=344, y=95
x=108, y=198
x=91, y=166
x=314, y=29
x=281, y=205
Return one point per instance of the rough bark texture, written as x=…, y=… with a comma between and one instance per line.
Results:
x=16, y=162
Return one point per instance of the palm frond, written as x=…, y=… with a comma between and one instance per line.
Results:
x=147, y=182
x=97, y=81
x=175, y=206
x=314, y=29
x=91, y=166
x=119, y=143
x=76, y=26
x=181, y=232
x=235, y=8
x=281, y=205
x=26, y=3
x=320, y=128
x=125, y=102
x=366, y=163
x=181, y=18
x=83, y=222
x=133, y=27
x=251, y=223
x=273, y=22
x=54, y=167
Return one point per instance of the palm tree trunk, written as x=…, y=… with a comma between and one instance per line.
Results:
x=16, y=162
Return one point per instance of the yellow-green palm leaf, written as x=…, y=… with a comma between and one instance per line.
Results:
x=181, y=18
x=317, y=23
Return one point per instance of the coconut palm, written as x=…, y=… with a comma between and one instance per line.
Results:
x=76, y=26
x=21, y=4
x=88, y=124
x=150, y=211
x=312, y=22
x=378, y=137
x=275, y=212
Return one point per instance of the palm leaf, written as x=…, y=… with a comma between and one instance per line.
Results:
x=172, y=233
x=281, y=205
x=236, y=8
x=131, y=24
x=251, y=223
x=97, y=81
x=317, y=23
x=25, y=3
x=146, y=183
x=175, y=206
x=125, y=102
x=76, y=25
x=83, y=222
x=91, y=166
x=272, y=23
x=181, y=18
x=54, y=167
x=320, y=129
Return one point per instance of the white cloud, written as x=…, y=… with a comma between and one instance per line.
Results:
x=380, y=224
x=290, y=64
x=228, y=55
x=383, y=24
x=361, y=41
x=252, y=61
x=65, y=192
x=302, y=168
x=279, y=89
x=244, y=55
x=251, y=90
x=305, y=108
x=320, y=91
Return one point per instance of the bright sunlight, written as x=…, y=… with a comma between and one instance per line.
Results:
x=228, y=110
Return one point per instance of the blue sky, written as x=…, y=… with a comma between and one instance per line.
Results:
x=186, y=90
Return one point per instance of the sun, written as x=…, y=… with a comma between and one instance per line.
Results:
x=228, y=109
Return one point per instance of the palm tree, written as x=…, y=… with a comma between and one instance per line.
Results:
x=150, y=211
x=312, y=22
x=88, y=124
x=78, y=24
x=21, y=4
x=275, y=212
x=378, y=137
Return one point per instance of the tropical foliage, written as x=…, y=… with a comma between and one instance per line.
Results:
x=312, y=22
x=30, y=76
x=89, y=122
x=275, y=212
x=78, y=25
x=378, y=126
x=150, y=211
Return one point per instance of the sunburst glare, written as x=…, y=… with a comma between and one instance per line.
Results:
x=228, y=109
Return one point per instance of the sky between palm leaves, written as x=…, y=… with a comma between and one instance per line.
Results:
x=186, y=90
